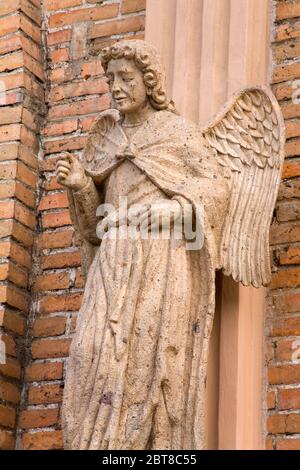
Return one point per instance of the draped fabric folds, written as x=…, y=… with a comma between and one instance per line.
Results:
x=137, y=367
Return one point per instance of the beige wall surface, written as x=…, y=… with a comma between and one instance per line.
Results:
x=211, y=49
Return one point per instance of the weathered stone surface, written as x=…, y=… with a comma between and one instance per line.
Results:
x=151, y=301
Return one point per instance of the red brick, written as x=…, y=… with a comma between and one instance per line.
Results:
x=60, y=303
x=54, y=201
x=289, y=399
x=7, y=416
x=9, y=392
x=31, y=11
x=61, y=260
x=10, y=344
x=59, y=55
x=284, y=233
x=276, y=424
x=53, y=326
x=7, y=209
x=51, y=185
x=7, y=440
x=20, y=255
x=51, y=5
x=287, y=31
x=59, y=128
x=288, y=444
x=7, y=190
x=286, y=278
x=65, y=145
x=47, y=440
x=4, y=271
x=131, y=6
x=26, y=175
x=11, y=61
x=50, y=348
x=38, y=418
x=56, y=219
x=11, y=368
x=9, y=24
x=271, y=400
x=45, y=394
x=286, y=10
x=91, y=87
x=289, y=189
x=22, y=234
x=293, y=423
x=53, y=281
x=79, y=281
x=46, y=371
x=9, y=114
x=9, y=151
x=6, y=227
x=14, y=297
x=284, y=374
x=284, y=351
x=286, y=327
x=132, y=24
x=17, y=275
x=269, y=443
x=34, y=66
x=290, y=110
x=63, y=74
x=28, y=157
x=33, y=86
x=87, y=123
x=84, y=106
x=31, y=48
x=56, y=240
x=73, y=324
x=84, y=14
x=10, y=7
x=59, y=37
x=286, y=72
x=286, y=51
x=288, y=210
x=291, y=169
x=91, y=69
x=290, y=255
x=12, y=321
x=292, y=148
x=25, y=195
x=8, y=170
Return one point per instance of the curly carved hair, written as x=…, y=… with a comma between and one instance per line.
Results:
x=147, y=59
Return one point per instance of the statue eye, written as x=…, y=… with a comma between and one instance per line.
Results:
x=127, y=78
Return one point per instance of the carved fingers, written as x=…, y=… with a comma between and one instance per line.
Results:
x=160, y=216
x=70, y=173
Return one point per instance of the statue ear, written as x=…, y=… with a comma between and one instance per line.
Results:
x=149, y=91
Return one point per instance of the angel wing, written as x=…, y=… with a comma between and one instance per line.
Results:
x=247, y=138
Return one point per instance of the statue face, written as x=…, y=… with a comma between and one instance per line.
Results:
x=126, y=85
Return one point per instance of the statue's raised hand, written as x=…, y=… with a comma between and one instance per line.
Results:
x=70, y=172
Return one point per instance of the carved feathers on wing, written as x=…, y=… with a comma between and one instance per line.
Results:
x=101, y=142
x=247, y=139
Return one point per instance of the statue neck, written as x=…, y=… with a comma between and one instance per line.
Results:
x=139, y=117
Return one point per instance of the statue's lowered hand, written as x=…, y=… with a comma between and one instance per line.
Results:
x=70, y=172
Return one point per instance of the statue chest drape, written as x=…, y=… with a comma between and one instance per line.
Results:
x=130, y=361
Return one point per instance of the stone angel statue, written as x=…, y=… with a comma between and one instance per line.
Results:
x=137, y=369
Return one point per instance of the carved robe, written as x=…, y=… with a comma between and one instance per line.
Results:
x=137, y=367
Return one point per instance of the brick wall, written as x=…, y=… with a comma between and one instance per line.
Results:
x=75, y=32
x=283, y=316
x=21, y=109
